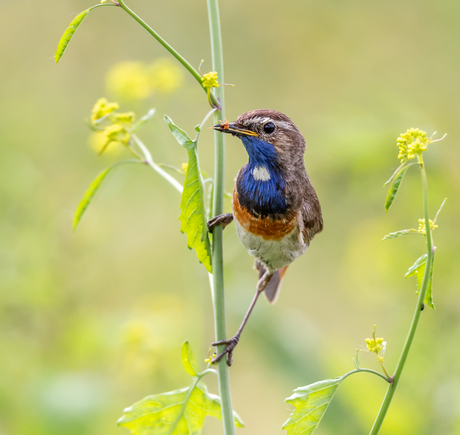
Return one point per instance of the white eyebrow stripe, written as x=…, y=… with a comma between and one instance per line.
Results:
x=283, y=124
x=257, y=120
x=264, y=120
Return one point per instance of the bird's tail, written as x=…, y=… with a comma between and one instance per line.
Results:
x=274, y=285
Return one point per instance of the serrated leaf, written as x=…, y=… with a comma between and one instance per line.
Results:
x=193, y=211
x=181, y=136
x=418, y=270
x=67, y=36
x=394, y=187
x=188, y=360
x=147, y=117
x=311, y=403
x=91, y=191
x=399, y=234
x=180, y=412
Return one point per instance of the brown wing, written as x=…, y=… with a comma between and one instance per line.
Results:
x=311, y=216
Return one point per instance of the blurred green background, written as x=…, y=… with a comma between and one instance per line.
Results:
x=93, y=321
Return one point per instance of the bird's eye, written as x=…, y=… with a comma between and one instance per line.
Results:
x=269, y=127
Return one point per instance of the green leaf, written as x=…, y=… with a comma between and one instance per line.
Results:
x=394, y=187
x=181, y=136
x=67, y=36
x=418, y=270
x=311, y=403
x=179, y=412
x=91, y=191
x=188, y=360
x=399, y=234
x=193, y=211
x=147, y=117
x=394, y=174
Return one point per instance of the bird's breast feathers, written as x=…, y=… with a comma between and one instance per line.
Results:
x=275, y=242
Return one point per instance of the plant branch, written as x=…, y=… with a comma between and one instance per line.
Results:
x=374, y=372
x=418, y=309
x=149, y=161
x=102, y=4
x=168, y=47
x=217, y=281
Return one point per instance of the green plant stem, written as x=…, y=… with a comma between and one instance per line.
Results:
x=149, y=161
x=168, y=47
x=418, y=309
x=367, y=371
x=218, y=207
x=102, y=4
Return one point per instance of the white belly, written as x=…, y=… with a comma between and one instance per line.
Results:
x=274, y=254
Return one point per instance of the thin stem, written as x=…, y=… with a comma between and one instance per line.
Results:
x=418, y=309
x=102, y=4
x=149, y=161
x=168, y=47
x=217, y=286
x=383, y=367
x=367, y=371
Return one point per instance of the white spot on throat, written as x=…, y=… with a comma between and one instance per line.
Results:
x=261, y=173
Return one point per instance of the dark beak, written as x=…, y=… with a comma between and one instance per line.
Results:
x=233, y=128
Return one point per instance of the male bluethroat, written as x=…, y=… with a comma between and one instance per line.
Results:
x=275, y=207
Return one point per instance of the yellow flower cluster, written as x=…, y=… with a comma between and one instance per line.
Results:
x=132, y=81
x=102, y=108
x=422, y=228
x=210, y=81
x=209, y=359
x=118, y=129
x=374, y=344
x=412, y=143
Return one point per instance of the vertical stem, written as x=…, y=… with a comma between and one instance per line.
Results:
x=218, y=206
x=418, y=309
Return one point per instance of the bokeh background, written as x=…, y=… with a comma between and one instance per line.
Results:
x=93, y=321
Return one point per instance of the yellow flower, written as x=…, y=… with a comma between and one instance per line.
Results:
x=184, y=167
x=422, y=228
x=102, y=108
x=125, y=118
x=129, y=81
x=208, y=360
x=117, y=133
x=376, y=345
x=165, y=76
x=412, y=143
x=209, y=80
x=133, y=81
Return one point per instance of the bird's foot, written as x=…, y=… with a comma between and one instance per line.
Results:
x=223, y=219
x=231, y=344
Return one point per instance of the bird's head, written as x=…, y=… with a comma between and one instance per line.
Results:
x=270, y=138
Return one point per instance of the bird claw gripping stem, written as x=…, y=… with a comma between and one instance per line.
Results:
x=231, y=344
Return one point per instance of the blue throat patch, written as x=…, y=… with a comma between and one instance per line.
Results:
x=263, y=196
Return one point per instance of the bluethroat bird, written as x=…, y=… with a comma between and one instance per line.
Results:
x=275, y=207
